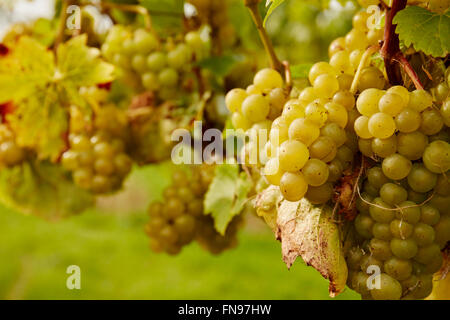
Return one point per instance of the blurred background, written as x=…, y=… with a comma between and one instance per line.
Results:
x=108, y=242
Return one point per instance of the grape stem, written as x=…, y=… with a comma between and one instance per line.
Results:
x=288, y=76
x=367, y=54
x=130, y=8
x=390, y=50
x=62, y=24
x=252, y=6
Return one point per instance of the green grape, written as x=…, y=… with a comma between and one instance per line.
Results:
x=293, y=186
x=345, y=155
x=367, y=103
x=353, y=258
x=391, y=104
x=442, y=186
x=80, y=143
x=412, y=145
x=150, y=81
x=83, y=177
x=252, y=89
x=335, y=132
x=346, y=99
x=393, y=194
x=279, y=131
x=404, y=248
x=364, y=225
x=195, y=208
x=101, y=184
x=318, y=69
x=335, y=170
x=268, y=79
x=371, y=77
x=326, y=85
x=315, y=172
x=179, y=57
x=337, y=114
x=396, y=167
x=345, y=81
x=429, y=214
x=336, y=45
x=398, y=268
x=273, y=172
x=385, y=147
x=369, y=260
x=304, y=131
x=380, y=211
x=375, y=36
x=434, y=265
x=423, y=234
x=408, y=120
x=69, y=160
x=390, y=289
x=277, y=99
x=356, y=39
x=380, y=249
x=194, y=40
x=316, y=113
x=424, y=286
x=441, y=91
x=307, y=95
x=323, y=148
x=86, y=158
x=103, y=149
x=436, y=156
x=340, y=61
x=441, y=203
x=139, y=63
x=355, y=58
x=239, y=121
x=104, y=166
x=442, y=231
x=382, y=231
x=255, y=108
x=168, y=77
x=365, y=146
x=432, y=122
x=174, y=208
x=381, y=125
x=293, y=155
x=293, y=109
x=420, y=179
x=419, y=100
x=363, y=203
x=416, y=197
x=445, y=112
x=401, y=91
x=401, y=229
x=144, y=42
x=122, y=61
x=370, y=189
x=408, y=211
x=234, y=99
x=367, y=3
x=426, y=254
x=156, y=61
x=320, y=194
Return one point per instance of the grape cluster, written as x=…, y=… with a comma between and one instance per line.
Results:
x=401, y=230
x=313, y=142
x=10, y=153
x=179, y=219
x=153, y=65
x=254, y=109
x=215, y=14
x=96, y=156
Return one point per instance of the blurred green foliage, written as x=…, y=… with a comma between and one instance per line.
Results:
x=116, y=263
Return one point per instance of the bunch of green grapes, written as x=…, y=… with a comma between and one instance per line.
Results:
x=401, y=128
x=97, y=154
x=215, y=14
x=10, y=153
x=254, y=109
x=178, y=219
x=402, y=228
x=153, y=65
x=313, y=142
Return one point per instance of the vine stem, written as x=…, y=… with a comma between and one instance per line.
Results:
x=130, y=8
x=367, y=54
x=62, y=24
x=252, y=6
x=391, y=53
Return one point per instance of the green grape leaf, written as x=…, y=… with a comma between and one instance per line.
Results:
x=40, y=122
x=300, y=71
x=220, y=65
x=272, y=4
x=80, y=65
x=26, y=69
x=227, y=195
x=309, y=231
x=165, y=13
x=427, y=31
x=42, y=189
